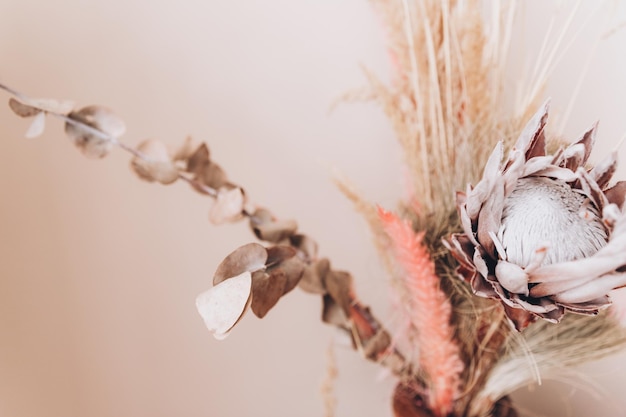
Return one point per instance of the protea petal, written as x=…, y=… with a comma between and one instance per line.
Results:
x=530, y=141
x=592, y=289
x=512, y=277
x=537, y=164
x=603, y=171
x=615, y=195
x=588, y=140
x=555, y=287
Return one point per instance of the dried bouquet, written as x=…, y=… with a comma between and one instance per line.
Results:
x=501, y=257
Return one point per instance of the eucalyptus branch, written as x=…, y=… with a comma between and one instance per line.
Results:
x=255, y=275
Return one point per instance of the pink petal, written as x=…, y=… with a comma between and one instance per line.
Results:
x=480, y=264
x=513, y=171
x=512, y=277
x=588, y=140
x=539, y=306
x=573, y=156
x=490, y=216
x=536, y=164
x=477, y=197
x=498, y=245
x=545, y=289
x=592, y=290
x=530, y=140
x=558, y=173
x=492, y=167
x=590, y=307
x=616, y=194
x=594, y=266
x=604, y=170
x=466, y=224
x=591, y=188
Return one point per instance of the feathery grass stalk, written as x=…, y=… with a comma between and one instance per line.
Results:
x=430, y=313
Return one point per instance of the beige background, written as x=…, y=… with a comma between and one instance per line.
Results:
x=99, y=271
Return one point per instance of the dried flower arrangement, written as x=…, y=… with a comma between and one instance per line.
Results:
x=486, y=283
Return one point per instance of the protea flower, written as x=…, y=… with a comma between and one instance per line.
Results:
x=543, y=233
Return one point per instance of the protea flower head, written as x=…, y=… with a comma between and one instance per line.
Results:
x=543, y=233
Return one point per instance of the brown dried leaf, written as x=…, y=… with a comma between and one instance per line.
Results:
x=281, y=259
x=206, y=172
x=261, y=216
x=267, y=290
x=314, y=276
x=339, y=287
x=251, y=257
x=95, y=144
x=377, y=346
x=306, y=246
x=278, y=254
x=332, y=313
x=222, y=306
x=37, y=126
x=228, y=206
x=294, y=269
x=267, y=228
x=373, y=340
x=198, y=159
x=23, y=110
x=157, y=165
x=212, y=176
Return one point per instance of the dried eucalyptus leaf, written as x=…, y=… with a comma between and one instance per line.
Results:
x=222, y=306
x=49, y=104
x=198, y=159
x=376, y=346
x=339, y=287
x=157, y=165
x=212, y=175
x=293, y=269
x=332, y=313
x=228, y=206
x=260, y=216
x=25, y=106
x=23, y=110
x=306, y=246
x=37, y=126
x=278, y=254
x=266, y=291
x=275, y=231
x=250, y=257
x=314, y=276
x=374, y=341
x=102, y=119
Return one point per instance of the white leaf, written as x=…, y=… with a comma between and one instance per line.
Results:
x=222, y=306
x=228, y=206
x=37, y=126
x=51, y=105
